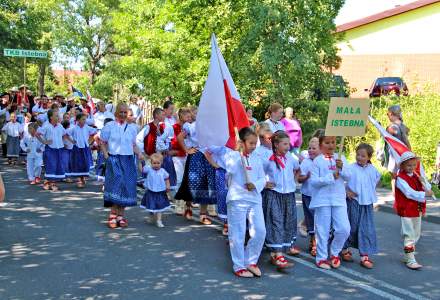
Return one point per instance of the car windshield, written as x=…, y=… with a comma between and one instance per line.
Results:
x=389, y=81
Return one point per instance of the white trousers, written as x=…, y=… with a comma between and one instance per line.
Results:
x=326, y=218
x=33, y=166
x=179, y=166
x=411, y=229
x=238, y=213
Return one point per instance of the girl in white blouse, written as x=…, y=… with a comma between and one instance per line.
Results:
x=81, y=157
x=328, y=202
x=246, y=181
x=157, y=184
x=361, y=195
x=279, y=205
x=52, y=135
x=14, y=131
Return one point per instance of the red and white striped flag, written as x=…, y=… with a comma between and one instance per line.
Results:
x=90, y=102
x=220, y=110
x=397, y=147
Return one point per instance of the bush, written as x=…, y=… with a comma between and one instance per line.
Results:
x=421, y=114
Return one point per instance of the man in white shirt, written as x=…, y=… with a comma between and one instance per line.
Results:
x=168, y=108
x=101, y=114
x=137, y=113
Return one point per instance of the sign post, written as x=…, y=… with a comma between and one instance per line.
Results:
x=24, y=53
x=347, y=117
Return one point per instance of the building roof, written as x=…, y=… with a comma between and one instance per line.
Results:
x=385, y=14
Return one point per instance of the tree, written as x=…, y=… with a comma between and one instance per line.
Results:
x=24, y=25
x=82, y=30
x=276, y=50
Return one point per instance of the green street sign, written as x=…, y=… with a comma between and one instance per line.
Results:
x=25, y=53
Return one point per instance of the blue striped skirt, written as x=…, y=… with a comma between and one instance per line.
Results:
x=80, y=161
x=53, y=164
x=12, y=146
x=100, y=166
x=222, y=192
x=363, y=231
x=120, y=181
x=155, y=202
x=65, y=160
x=280, y=219
x=168, y=165
x=201, y=180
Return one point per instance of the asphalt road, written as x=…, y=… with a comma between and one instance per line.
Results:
x=57, y=246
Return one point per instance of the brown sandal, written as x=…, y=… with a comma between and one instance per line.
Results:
x=205, y=220
x=112, y=223
x=188, y=214
x=366, y=262
x=293, y=251
x=312, y=246
x=347, y=255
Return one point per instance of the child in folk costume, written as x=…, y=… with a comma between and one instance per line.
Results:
x=14, y=132
x=66, y=152
x=274, y=115
x=100, y=161
x=52, y=135
x=329, y=202
x=157, y=184
x=307, y=191
x=198, y=183
x=34, y=149
x=264, y=150
x=361, y=194
x=215, y=155
x=155, y=138
x=119, y=146
x=179, y=154
x=279, y=205
x=410, y=205
x=246, y=181
x=81, y=154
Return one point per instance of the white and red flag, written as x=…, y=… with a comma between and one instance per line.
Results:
x=396, y=147
x=220, y=110
x=90, y=102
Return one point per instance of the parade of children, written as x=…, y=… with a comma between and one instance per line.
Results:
x=255, y=187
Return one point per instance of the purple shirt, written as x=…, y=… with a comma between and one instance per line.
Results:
x=293, y=129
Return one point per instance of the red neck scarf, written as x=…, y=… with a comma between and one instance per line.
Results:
x=279, y=160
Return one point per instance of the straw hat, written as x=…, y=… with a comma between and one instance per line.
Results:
x=408, y=155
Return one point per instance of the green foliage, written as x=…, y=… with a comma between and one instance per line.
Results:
x=277, y=49
x=82, y=29
x=23, y=25
x=420, y=113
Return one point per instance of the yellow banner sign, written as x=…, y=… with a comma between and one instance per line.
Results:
x=347, y=117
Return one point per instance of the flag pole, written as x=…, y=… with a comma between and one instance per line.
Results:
x=243, y=162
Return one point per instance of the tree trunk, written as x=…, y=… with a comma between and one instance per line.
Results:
x=41, y=75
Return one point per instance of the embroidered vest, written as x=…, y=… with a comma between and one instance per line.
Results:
x=150, y=138
x=174, y=143
x=405, y=207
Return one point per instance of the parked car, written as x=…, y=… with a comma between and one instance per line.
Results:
x=339, y=87
x=383, y=86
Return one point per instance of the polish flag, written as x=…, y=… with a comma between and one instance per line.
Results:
x=90, y=102
x=396, y=146
x=220, y=111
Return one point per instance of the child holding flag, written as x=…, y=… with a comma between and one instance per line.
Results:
x=245, y=203
x=410, y=205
